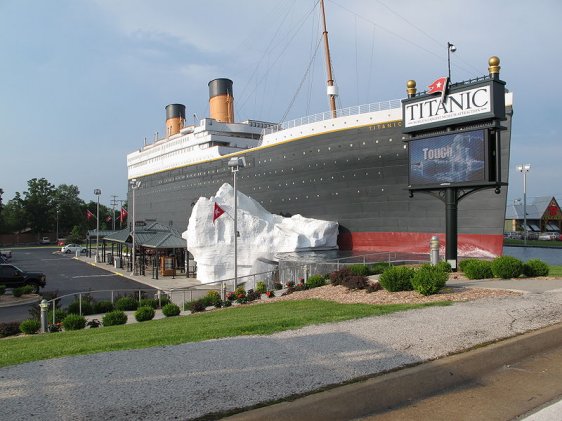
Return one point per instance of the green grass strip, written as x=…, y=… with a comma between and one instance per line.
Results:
x=555, y=270
x=262, y=319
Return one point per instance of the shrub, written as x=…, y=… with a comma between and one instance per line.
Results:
x=464, y=263
x=196, y=306
x=398, y=278
x=478, y=269
x=212, y=298
x=360, y=270
x=17, y=292
x=113, y=318
x=9, y=329
x=315, y=281
x=356, y=282
x=444, y=266
x=535, y=267
x=126, y=303
x=507, y=267
x=227, y=303
x=30, y=326
x=170, y=310
x=378, y=268
x=74, y=322
x=239, y=290
x=2, y=289
x=28, y=289
x=338, y=276
x=103, y=307
x=277, y=286
x=429, y=279
x=270, y=294
x=373, y=287
x=252, y=295
x=261, y=287
x=59, y=315
x=74, y=308
x=148, y=302
x=231, y=296
x=144, y=313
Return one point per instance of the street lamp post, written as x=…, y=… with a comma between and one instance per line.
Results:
x=524, y=168
x=57, y=239
x=97, y=192
x=135, y=184
x=235, y=164
x=450, y=49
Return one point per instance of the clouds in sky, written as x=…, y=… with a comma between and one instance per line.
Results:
x=85, y=82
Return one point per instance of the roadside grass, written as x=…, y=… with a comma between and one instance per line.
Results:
x=555, y=271
x=532, y=243
x=262, y=319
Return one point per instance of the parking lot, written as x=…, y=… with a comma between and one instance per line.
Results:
x=65, y=275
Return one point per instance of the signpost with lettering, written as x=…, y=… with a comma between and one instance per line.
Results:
x=454, y=144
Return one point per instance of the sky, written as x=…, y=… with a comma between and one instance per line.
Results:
x=84, y=82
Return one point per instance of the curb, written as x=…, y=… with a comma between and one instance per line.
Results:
x=377, y=394
x=25, y=301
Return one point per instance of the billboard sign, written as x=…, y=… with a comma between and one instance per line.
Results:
x=458, y=158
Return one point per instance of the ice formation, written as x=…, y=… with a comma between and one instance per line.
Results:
x=261, y=235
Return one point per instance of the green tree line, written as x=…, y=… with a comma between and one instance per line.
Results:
x=43, y=205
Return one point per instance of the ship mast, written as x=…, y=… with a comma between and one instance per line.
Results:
x=332, y=90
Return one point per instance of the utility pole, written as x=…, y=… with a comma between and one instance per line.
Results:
x=113, y=203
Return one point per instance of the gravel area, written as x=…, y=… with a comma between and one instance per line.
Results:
x=191, y=380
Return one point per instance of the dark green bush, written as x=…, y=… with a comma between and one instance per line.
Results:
x=113, y=318
x=315, y=281
x=144, y=313
x=535, y=267
x=261, y=287
x=103, y=307
x=74, y=308
x=429, y=279
x=226, y=303
x=378, y=268
x=126, y=303
x=74, y=322
x=478, y=269
x=2, y=289
x=464, y=263
x=148, y=302
x=9, y=329
x=444, y=266
x=277, y=286
x=170, y=310
x=196, y=306
x=164, y=299
x=212, y=298
x=397, y=278
x=17, y=292
x=360, y=270
x=30, y=326
x=507, y=267
x=59, y=315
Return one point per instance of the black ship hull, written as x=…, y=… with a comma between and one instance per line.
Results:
x=357, y=177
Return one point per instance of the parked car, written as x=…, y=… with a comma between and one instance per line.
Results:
x=14, y=277
x=6, y=254
x=45, y=240
x=549, y=236
x=3, y=259
x=73, y=248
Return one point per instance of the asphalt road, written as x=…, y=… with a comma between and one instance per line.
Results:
x=65, y=275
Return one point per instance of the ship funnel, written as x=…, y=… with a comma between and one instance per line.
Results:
x=175, y=119
x=221, y=100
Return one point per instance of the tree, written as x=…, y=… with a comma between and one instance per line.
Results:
x=38, y=203
x=70, y=208
x=14, y=216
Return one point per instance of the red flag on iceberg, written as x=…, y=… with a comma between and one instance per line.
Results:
x=217, y=211
x=438, y=86
x=89, y=215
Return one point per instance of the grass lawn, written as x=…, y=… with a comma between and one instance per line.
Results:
x=532, y=243
x=555, y=271
x=261, y=319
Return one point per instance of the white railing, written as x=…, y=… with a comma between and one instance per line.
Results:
x=327, y=115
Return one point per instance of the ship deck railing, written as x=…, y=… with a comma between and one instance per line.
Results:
x=327, y=115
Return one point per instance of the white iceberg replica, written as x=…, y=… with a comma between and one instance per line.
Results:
x=261, y=235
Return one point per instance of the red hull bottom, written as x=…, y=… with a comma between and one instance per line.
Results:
x=470, y=245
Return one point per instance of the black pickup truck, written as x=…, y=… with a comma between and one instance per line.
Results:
x=13, y=277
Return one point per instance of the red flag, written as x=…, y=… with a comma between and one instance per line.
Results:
x=123, y=214
x=438, y=86
x=108, y=218
x=89, y=215
x=218, y=211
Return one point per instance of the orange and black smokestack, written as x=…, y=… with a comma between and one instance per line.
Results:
x=221, y=100
x=175, y=119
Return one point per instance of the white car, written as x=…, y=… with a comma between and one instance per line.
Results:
x=73, y=248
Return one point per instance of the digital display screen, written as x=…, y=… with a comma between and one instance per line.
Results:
x=454, y=158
